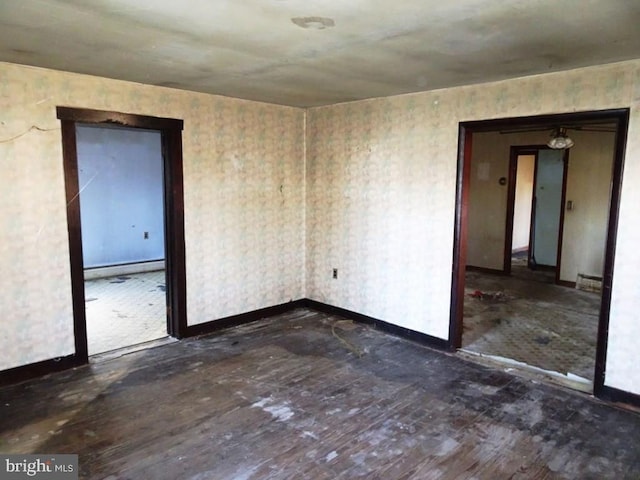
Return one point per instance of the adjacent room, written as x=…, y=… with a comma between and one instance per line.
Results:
x=121, y=185
x=283, y=239
x=536, y=242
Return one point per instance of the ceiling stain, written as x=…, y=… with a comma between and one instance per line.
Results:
x=21, y=51
x=268, y=51
x=314, y=23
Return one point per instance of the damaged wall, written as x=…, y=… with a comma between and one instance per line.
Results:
x=381, y=182
x=243, y=189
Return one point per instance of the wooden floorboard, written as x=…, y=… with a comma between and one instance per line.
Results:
x=310, y=395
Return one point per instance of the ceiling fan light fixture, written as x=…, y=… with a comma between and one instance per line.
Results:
x=560, y=140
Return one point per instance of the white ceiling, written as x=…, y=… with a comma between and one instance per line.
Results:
x=253, y=49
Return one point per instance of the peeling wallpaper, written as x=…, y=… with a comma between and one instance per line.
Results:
x=243, y=187
x=381, y=179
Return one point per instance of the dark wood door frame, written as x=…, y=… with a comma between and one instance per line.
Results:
x=563, y=203
x=465, y=134
x=171, y=134
x=515, y=152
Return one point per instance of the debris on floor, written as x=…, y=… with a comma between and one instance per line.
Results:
x=488, y=296
x=348, y=326
x=542, y=340
x=509, y=365
x=543, y=324
x=123, y=310
x=293, y=403
x=589, y=283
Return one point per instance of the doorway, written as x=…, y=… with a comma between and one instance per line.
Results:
x=122, y=215
x=522, y=175
x=464, y=247
x=547, y=208
x=170, y=238
x=535, y=214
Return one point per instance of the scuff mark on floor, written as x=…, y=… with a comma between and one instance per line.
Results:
x=280, y=412
x=307, y=434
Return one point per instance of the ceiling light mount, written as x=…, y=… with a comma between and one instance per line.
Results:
x=314, y=23
x=560, y=140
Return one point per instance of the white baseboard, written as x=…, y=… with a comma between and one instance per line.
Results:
x=128, y=269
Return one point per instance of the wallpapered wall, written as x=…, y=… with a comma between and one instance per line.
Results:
x=379, y=201
x=244, y=214
x=381, y=179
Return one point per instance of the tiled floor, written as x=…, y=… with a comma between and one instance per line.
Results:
x=527, y=318
x=125, y=310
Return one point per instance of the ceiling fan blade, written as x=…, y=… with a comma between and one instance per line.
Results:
x=594, y=129
x=526, y=130
x=552, y=128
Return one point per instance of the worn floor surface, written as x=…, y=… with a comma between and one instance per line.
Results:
x=527, y=318
x=310, y=396
x=125, y=310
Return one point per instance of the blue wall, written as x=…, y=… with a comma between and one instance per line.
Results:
x=121, y=195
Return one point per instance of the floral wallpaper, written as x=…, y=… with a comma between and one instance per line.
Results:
x=244, y=212
x=270, y=210
x=381, y=179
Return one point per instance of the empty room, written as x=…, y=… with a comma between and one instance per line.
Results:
x=319, y=240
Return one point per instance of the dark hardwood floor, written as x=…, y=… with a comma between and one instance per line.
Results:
x=308, y=395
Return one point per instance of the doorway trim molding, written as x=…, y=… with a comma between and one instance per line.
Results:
x=514, y=152
x=171, y=134
x=465, y=137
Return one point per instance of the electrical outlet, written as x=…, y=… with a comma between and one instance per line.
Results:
x=335, y=273
x=146, y=235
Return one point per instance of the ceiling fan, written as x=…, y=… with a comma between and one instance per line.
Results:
x=558, y=137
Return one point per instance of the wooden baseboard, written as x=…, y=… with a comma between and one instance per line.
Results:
x=125, y=269
x=614, y=395
x=492, y=271
x=33, y=370
x=381, y=325
x=241, y=319
x=566, y=283
x=38, y=369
